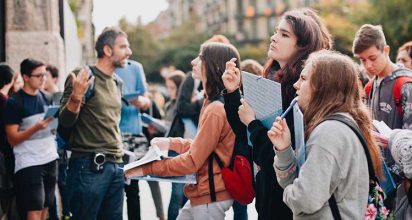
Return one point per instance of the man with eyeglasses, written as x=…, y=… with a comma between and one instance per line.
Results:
x=33, y=143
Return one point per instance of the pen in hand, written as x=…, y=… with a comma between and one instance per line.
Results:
x=294, y=101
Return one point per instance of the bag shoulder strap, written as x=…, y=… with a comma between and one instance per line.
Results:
x=369, y=88
x=90, y=90
x=397, y=91
x=345, y=120
x=210, y=173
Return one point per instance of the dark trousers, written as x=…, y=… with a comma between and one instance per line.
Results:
x=133, y=200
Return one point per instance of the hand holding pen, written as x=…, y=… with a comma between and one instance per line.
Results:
x=279, y=134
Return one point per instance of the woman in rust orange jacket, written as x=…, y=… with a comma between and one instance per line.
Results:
x=214, y=135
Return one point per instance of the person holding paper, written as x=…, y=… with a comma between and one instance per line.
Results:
x=299, y=33
x=336, y=162
x=34, y=146
x=389, y=79
x=214, y=135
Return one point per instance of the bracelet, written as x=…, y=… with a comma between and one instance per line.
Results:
x=73, y=100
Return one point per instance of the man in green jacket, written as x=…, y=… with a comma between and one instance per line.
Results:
x=95, y=182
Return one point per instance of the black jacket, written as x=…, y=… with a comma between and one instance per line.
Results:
x=269, y=195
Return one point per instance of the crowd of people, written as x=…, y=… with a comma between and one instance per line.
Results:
x=336, y=174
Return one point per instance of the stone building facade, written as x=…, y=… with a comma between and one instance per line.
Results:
x=39, y=29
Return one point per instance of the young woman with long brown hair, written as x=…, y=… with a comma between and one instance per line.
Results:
x=214, y=135
x=335, y=159
x=299, y=33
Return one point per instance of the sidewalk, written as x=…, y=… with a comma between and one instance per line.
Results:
x=148, y=211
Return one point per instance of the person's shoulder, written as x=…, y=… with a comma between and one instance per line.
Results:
x=332, y=131
x=401, y=72
x=215, y=107
x=134, y=63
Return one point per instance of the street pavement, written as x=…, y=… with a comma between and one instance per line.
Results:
x=148, y=211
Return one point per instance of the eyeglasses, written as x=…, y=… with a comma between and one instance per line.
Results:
x=41, y=75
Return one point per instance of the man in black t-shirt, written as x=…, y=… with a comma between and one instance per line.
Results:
x=33, y=144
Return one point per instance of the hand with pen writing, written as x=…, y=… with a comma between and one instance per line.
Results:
x=231, y=76
x=279, y=134
x=246, y=113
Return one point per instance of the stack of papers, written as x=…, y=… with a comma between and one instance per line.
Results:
x=189, y=179
x=154, y=154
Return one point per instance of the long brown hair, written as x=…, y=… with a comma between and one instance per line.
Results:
x=335, y=88
x=309, y=39
x=214, y=57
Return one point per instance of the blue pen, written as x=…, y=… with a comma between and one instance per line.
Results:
x=294, y=101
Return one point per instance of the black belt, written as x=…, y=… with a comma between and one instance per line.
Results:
x=90, y=155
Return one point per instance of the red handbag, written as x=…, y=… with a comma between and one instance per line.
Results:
x=238, y=179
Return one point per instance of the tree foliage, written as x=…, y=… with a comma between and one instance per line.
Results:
x=395, y=18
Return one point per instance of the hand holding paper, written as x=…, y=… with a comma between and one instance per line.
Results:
x=134, y=172
x=162, y=143
x=231, y=76
x=246, y=113
x=51, y=111
x=383, y=134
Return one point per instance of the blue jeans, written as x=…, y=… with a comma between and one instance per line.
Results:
x=177, y=199
x=95, y=195
x=239, y=211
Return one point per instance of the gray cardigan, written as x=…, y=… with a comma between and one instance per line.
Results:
x=335, y=164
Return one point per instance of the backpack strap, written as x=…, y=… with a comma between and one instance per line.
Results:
x=397, y=91
x=345, y=120
x=369, y=88
x=90, y=90
x=211, y=180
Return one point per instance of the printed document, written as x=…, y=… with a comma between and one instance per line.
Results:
x=263, y=95
x=382, y=128
x=154, y=154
